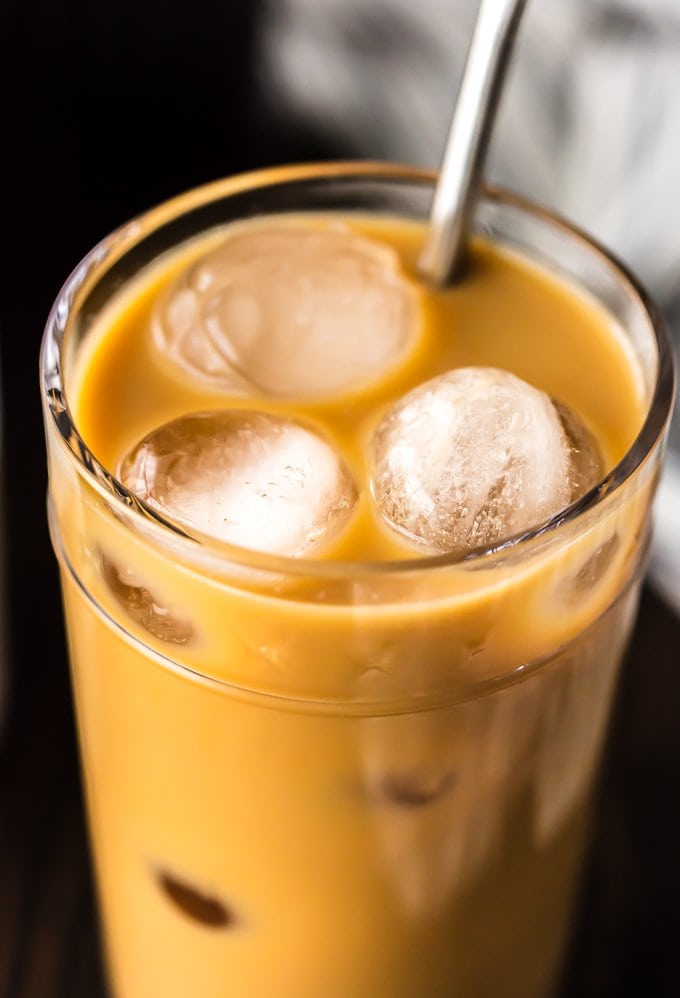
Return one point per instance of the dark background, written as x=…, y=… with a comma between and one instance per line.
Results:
x=108, y=108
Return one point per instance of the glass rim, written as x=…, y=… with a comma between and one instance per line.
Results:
x=197, y=545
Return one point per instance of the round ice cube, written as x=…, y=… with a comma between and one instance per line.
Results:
x=477, y=455
x=143, y=605
x=288, y=311
x=250, y=478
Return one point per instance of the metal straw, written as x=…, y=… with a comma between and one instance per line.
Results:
x=442, y=259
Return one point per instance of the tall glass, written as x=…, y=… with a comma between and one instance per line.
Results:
x=328, y=778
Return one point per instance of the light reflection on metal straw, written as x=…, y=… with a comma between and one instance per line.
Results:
x=442, y=260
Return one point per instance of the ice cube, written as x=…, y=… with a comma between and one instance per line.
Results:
x=593, y=571
x=439, y=786
x=289, y=311
x=585, y=460
x=143, y=605
x=477, y=455
x=251, y=478
x=575, y=703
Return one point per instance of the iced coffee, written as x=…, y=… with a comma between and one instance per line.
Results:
x=349, y=564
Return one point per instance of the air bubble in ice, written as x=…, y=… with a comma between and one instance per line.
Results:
x=206, y=909
x=477, y=455
x=250, y=478
x=288, y=311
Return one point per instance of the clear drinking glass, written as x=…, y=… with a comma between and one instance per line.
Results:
x=326, y=778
